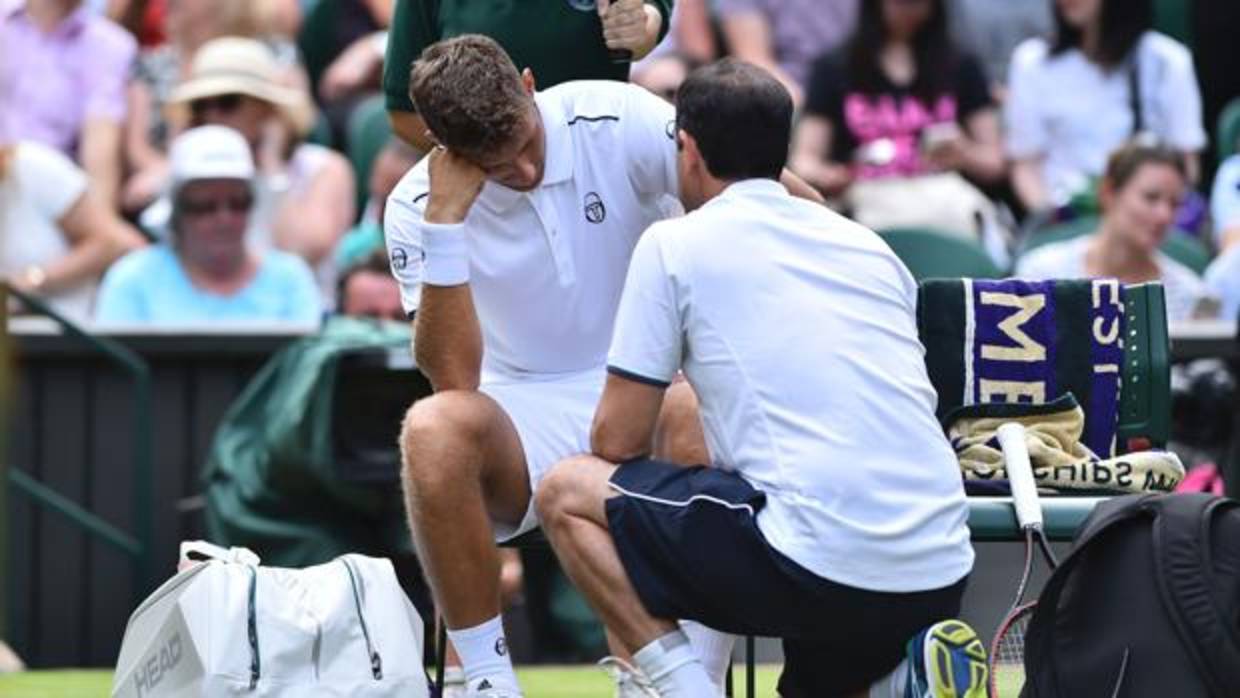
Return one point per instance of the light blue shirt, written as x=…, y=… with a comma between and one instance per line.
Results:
x=150, y=287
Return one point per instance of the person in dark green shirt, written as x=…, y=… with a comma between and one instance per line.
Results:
x=559, y=40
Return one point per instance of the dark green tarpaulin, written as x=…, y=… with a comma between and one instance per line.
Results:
x=274, y=476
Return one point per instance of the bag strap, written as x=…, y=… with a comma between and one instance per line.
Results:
x=1042, y=677
x=1134, y=90
x=1182, y=554
x=252, y=628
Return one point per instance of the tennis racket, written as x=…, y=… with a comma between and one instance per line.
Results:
x=1007, y=650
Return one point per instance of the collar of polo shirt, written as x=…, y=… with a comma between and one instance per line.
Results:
x=559, y=156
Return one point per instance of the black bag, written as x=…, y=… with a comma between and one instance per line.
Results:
x=1146, y=604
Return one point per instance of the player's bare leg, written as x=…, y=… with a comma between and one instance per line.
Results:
x=464, y=468
x=570, y=503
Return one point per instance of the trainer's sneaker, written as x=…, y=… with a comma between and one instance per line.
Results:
x=485, y=689
x=946, y=660
x=630, y=681
x=453, y=683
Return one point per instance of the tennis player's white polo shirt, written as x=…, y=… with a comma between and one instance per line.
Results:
x=547, y=266
x=797, y=329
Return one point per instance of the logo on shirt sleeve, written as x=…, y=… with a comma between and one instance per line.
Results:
x=582, y=5
x=400, y=259
x=596, y=212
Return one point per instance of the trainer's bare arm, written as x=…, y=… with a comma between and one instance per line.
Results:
x=449, y=346
x=625, y=420
x=799, y=187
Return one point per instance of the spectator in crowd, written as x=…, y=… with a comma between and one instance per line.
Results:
x=785, y=36
x=900, y=106
x=367, y=236
x=368, y=289
x=1139, y=193
x=1223, y=276
x=559, y=40
x=342, y=44
x=56, y=234
x=62, y=83
x=663, y=75
x=1225, y=203
x=158, y=71
x=690, y=41
x=207, y=272
x=1104, y=78
x=304, y=192
x=992, y=30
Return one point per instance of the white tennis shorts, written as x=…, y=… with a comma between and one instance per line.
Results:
x=552, y=415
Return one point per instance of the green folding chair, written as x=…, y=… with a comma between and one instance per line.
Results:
x=930, y=253
x=1144, y=418
x=1174, y=18
x=1227, y=133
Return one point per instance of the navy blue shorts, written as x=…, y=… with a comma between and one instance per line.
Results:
x=689, y=540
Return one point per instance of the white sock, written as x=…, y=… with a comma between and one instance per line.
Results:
x=892, y=685
x=484, y=654
x=713, y=649
x=672, y=666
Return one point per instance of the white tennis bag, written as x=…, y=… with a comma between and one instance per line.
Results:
x=229, y=627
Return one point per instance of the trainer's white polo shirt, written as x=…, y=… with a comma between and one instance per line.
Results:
x=547, y=267
x=797, y=329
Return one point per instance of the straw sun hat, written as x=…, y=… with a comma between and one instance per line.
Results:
x=236, y=65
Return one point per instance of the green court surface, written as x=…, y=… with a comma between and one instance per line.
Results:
x=542, y=682
x=548, y=682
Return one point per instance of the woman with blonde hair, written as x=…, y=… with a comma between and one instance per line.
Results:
x=57, y=236
x=1140, y=192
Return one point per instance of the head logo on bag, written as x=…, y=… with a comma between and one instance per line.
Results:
x=157, y=665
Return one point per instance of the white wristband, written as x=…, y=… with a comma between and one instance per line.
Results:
x=447, y=256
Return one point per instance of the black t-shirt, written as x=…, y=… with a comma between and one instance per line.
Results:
x=886, y=126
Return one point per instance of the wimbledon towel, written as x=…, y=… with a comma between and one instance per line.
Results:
x=1027, y=342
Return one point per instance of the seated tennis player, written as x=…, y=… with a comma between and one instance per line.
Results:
x=835, y=517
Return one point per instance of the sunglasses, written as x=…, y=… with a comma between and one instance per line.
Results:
x=206, y=207
x=224, y=104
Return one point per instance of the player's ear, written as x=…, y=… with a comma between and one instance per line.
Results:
x=688, y=147
x=527, y=81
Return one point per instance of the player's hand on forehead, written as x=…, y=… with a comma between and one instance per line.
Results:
x=455, y=183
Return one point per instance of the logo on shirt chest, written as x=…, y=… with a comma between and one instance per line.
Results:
x=595, y=211
x=582, y=5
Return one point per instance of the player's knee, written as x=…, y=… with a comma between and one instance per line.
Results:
x=452, y=419
x=557, y=489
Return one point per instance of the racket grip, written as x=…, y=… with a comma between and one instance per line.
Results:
x=620, y=55
x=1020, y=474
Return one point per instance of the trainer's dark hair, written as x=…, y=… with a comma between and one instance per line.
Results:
x=741, y=118
x=469, y=93
x=1121, y=25
x=934, y=53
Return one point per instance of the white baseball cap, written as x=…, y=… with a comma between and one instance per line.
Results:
x=209, y=152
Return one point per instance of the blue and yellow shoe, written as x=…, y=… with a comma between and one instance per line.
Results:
x=946, y=660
